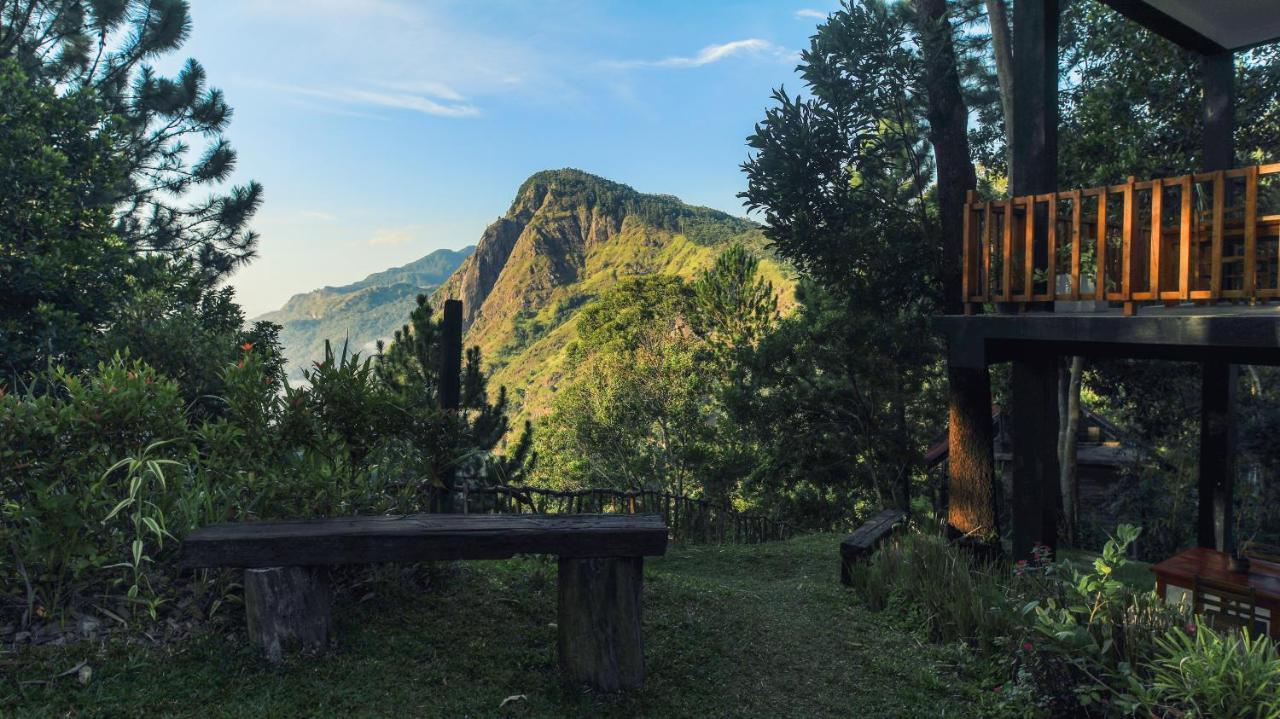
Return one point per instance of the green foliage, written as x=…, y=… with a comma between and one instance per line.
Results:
x=635, y=413
x=1074, y=642
x=732, y=306
x=843, y=175
x=1099, y=627
x=955, y=597
x=1200, y=673
x=62, y=488
x=108, y=46
x=63, y=268
x=841, y=402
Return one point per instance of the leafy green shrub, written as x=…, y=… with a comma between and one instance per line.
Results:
x=1203, y=673
x=62, y=486
x=1095, y=630
x=958, y=597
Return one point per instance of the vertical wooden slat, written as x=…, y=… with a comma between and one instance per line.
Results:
x=986, y=251
x=967, y=262
x=1184, y=246
x=1051, y=267
x=1251, y=232
x=1028, y=248
x=1126, y=242
x=1100, y=250
x=1076, y=235
x=1215, y=257
x=1157, y=237
x=1006, y=287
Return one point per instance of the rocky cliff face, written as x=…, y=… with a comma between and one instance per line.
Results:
x=567, y=237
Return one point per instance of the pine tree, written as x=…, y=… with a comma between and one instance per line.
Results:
x=70, y=45
x=454, y=441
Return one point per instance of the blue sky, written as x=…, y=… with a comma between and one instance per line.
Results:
x=385, y=129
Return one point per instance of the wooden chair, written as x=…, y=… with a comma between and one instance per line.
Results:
x=1261, y=551
x=1226, y=606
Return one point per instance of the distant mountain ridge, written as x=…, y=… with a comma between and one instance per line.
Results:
x=360, y=313
x=567, y=237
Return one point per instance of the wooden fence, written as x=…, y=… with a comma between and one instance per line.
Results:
x=1202, y=237
x=687, y=518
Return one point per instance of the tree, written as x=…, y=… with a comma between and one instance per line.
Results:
x=63, y=269
x=732, y=307
x=73, y=46
x=447, y=441
x=844, y=179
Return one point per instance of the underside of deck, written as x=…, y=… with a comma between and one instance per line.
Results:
x=1234, y=334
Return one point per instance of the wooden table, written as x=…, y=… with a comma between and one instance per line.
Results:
x=1176, y=578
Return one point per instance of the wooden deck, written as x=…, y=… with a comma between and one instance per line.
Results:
x=1200, y=237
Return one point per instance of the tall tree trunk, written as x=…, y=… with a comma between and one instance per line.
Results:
x=971, y=464
x=1002, y=47
x=949, y=134
x=1068, y=428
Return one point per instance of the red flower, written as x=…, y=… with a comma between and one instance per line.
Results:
x=240, y=364
x=246, y=346
x=1027, y=646
x=1191, y=627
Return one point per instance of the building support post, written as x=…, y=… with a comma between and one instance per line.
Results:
x=1035, y=97
x=1037, y=498
x=1217, y=456
x=1218, y=379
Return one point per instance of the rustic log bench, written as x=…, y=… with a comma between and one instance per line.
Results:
x=287, y=598
x=857, y=547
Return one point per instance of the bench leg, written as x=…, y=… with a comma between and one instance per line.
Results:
x=288, y=609
x=599, y=622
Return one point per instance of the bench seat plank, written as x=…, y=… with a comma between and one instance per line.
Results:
x=420, y=538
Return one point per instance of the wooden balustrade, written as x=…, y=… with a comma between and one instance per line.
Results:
x=1203, y=237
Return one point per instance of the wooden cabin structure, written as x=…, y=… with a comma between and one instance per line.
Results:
x=1106, y=458
x=1175, y=268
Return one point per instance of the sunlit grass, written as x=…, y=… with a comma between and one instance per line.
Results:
x=741, y=631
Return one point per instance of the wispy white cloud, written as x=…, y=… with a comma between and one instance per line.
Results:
x=452, y=105
x=805, y=13
x=709, y=54
x=393, y=236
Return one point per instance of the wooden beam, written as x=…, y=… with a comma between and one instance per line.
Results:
x=421, y=538
x=1036, y=496
x=1035, y=92
x=451, y=355
x=1165, y=25
x=1219, y=110
x=1217, y=456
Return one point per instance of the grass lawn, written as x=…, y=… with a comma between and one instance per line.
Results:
x=736, y=631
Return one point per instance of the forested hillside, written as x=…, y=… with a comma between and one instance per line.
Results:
x=567, y=239
x=360, y=313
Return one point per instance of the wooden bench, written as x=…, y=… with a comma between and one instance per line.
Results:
x=287, y=598
x=857, y=547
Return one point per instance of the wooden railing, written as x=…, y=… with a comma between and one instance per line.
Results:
x=688, y=518
x=1203, y=237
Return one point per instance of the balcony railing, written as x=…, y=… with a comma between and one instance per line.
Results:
x=1204, y=237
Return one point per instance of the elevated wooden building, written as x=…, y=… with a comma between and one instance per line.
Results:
x=1179, y=268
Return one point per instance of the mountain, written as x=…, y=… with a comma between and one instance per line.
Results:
x=362, y=312
x=567, y=237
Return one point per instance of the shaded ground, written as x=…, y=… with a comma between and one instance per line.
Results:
x=743, y=631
